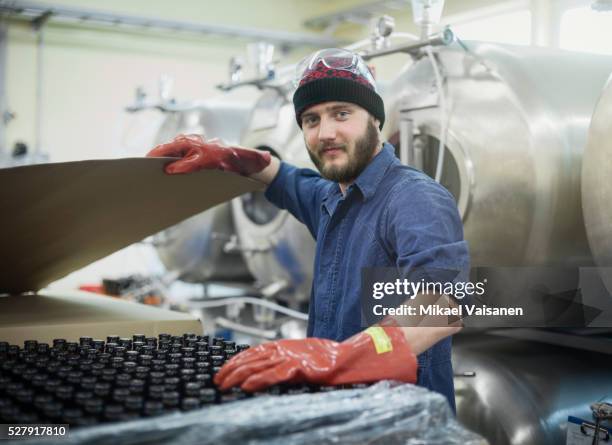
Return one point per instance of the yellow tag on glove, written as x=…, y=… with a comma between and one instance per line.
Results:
x=381, y=340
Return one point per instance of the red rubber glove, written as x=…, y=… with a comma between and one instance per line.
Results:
x=197, y=154
x=375, y=354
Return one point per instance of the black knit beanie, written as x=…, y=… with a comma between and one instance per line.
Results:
x=326, y=84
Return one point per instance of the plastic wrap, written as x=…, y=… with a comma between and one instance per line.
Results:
x=385, y=413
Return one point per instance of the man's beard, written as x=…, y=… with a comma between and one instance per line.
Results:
x=361, y=157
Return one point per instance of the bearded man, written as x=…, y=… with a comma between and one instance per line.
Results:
x=364, y=209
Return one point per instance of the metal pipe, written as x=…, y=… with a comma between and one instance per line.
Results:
x=3, y=99
x=40, y=44
x=252, y=300
x=268, y=334
x=419, y=147
x=443, y=119
x=32, y=10
x=443, y=38
x=259, y=82
x=406, y=141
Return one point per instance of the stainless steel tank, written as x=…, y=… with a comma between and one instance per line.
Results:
x=516, y=128
x=522, y=392
x=195, y=247
x=278, y=249
x=517, y=120
x=597, y=187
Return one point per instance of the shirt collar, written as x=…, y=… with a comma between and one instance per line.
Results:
x=369, y=179
x=367, y=182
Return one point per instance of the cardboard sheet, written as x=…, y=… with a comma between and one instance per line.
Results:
x=57, y=218
x=71, y=314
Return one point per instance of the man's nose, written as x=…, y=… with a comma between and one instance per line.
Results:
x=327, y=130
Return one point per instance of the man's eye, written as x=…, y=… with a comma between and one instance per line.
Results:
x=309, y=120
x=343, y=114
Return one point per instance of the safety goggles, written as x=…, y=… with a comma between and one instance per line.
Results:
x=333, y=58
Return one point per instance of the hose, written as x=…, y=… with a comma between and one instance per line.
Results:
x=443, y=117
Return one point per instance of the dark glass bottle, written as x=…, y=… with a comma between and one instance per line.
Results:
x=88, y=382
x=43, y=348
x=188, y=362
x=113, y=412
x=217, y=360
x=137, y=386
x=171, y=369
x=156, y=378
x=129, y=368
x=102, y=389
x=126, y=343
x=171, y=383
x=120, y=394
x=105, y=357
x=109, y=375
x=215, y=350
x=139, y=338
x=112, y=339
x=94, y=406
x=190, y=403
x=98, y=345
x=187, y=375
x=30, y=345
x=188, y=351
x=123, y=381
x=156, y=392
x=201, y=346
x=170, y=399
x=72, y=416
x=192, y=389
x=119, y=351
x=59, y=343
x=131, y=356
x=134, y=403
x=158, y=365
x=145, y=360
x=81, y=397
x=74, y=377
x=38, y=381
x=208, y=396
x=142, y=372
x=175, y=358
x=204, y=379
x=153, y=408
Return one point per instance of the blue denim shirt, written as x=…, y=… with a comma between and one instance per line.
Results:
x=391, y=216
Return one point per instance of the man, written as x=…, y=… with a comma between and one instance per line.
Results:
x=365, y=209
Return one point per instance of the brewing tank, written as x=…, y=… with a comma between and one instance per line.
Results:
x=195, y=247
x=277, y=247
x=516, y=123
x=521, y=392
x=596, y=185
